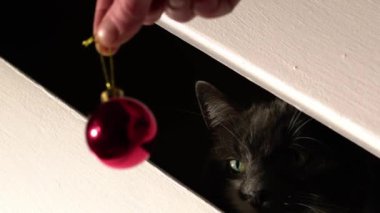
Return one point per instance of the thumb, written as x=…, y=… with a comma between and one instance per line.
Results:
x=120, y=23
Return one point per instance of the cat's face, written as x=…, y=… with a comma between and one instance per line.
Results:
x=273, y=158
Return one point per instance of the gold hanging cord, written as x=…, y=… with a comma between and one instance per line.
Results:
x=109, y=74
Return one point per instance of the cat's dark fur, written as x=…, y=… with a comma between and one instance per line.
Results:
x=270, y=157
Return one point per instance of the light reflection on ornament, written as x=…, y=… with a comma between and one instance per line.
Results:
x=94, y=132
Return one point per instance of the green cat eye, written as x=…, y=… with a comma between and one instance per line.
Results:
x=237, y=166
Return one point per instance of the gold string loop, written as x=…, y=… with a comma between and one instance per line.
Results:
x=108, y=71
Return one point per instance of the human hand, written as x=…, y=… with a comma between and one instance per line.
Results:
x=117, y=21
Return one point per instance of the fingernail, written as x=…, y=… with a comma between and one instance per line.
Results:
x=176, y=4
x=107, y=34
x=106, y=51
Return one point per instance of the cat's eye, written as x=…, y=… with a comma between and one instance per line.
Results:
x=236, y=166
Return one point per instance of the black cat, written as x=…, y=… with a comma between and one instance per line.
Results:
x=271, y=157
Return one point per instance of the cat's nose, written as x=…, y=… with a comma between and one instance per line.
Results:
x=254, y=197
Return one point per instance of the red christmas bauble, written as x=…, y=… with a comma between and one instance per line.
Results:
x=117, y=130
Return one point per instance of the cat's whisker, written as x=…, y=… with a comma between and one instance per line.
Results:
x=290, y=126
x=311, y=201
x=309, y=197
x=307, y=139
x=301, y=126
x=320, y=143
x=311, y=208
x=317, y=202
x=293, y=120
x=297, y=145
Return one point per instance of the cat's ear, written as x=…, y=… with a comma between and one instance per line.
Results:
x=213, y=104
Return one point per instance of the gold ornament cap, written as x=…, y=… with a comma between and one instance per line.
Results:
x=111, y=93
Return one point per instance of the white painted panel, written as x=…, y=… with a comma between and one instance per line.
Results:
x=321, y=56
x=45, y=165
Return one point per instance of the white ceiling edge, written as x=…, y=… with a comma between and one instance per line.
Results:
x=322, y=57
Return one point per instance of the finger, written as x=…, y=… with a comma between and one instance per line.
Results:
x=180, y=10
x=102, y=6
x=214, y=8
x=155, y=11
x=123, y=20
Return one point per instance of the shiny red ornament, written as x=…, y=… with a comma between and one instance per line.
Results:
x=117, y=130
